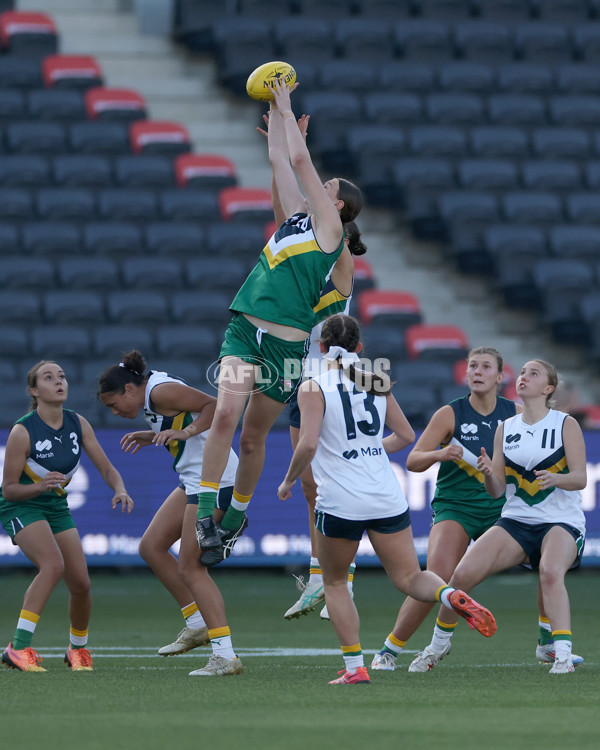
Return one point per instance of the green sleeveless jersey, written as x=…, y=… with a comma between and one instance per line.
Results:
x=285, y=285
x=50, y=450
x=460, y=481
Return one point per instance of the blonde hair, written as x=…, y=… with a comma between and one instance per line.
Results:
x=32, y=377
x=552, y=380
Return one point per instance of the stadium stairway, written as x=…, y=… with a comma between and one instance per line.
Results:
x=183, y=88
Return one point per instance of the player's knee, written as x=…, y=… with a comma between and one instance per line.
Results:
x=250, y=441
x=53, y=569
x=146, y=549
x=550, y=575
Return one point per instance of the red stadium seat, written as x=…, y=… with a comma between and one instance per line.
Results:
x=395, y=307
x=363, y=277
x=71, y=71
x=270, y=230
x=24, y=33
x=114, y=104
x=436, y=342
x=205, y=171
x=159, y=137
x=592, y=416
x=246, y=204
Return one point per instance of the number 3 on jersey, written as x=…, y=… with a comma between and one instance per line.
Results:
x=366, y=427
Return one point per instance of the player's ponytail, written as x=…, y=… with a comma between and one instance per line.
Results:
x=352, y=234
x=129, y=370
x=342, y=331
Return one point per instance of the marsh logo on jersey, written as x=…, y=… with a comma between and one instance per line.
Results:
x=42, y=447
x=468, y=431
x=512, y=439
x=349, y=455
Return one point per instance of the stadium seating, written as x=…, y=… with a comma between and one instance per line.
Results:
x=426, y=341
x=28, y=33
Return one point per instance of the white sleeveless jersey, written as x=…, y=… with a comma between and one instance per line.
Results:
x=538, y=447
x=187, y=454
x=354, y=477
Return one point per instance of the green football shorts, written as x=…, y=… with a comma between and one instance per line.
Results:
x=13, y=520
x=279, y=362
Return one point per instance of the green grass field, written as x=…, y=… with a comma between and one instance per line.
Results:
x=488, y=693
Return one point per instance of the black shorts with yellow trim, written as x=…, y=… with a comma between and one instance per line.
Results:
x=531, y=535
x=343, y=528
x=279, y=362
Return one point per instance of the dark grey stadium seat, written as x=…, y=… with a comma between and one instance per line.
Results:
x=517, y=109
x=467, y=76
x=579, y=242
x=418, y=403
x=487, y=174
x=407, y=75
x=144, y=171
x=19, y=306
x=364, y=39
x=525, y=78
x=561, y=143
x=423, y=40
x=551, y=174
x=134, y=306
x=85, y=272
x=56, y=341
x=99, y=138
x=9, y=239
x=561, y=11
x=483, y=41
x=15, y=341
x=127, y=204
x=577, y=78
x=586, y=41
x=499, y=142
x=20, y=72
x=348, y=75
x=215, y=274
x=15, y=204
x=51, y=238
x=202, y=307
x=437, y=141
x=242, y=241
x=82, y=170
x=151, y=273
x=507, y=11
x=36, y=137
x=113, y=238
x=198, y=341
x=311, y=40
x=393, y=108
x=200, y=206
x=535, y=207
x=175, y=239
x=575, y=111
x=541, y=42
x=66, y=204
x=26, y=273
x=12, y=105
x=454, y=108
x=73, y=306
x=110, y=341
x=58, y=105
x=583, y=208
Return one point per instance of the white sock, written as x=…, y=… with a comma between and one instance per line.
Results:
x=441, y=638
x=192, y=616
x=316, y=576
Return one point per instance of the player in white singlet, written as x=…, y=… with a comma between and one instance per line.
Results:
x=344, y=411
x=539, y=461
x=179, y=417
